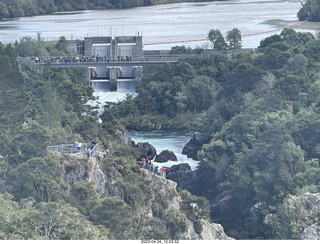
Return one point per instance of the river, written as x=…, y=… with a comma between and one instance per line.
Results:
x=173, y=23
x=163, y=23
x=162, y=140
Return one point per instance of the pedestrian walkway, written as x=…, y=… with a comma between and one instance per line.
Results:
x=77, y=149
x=148, y=165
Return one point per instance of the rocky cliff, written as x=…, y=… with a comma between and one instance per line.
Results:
x=297, y=217
x=165, y=205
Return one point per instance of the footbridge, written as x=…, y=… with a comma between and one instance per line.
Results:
x=106, y=73
x=92, y=62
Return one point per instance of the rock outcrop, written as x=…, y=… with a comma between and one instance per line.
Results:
x=166, y=156
x=194, y=145
x=146, y=149
x=182, y=174
x=297, y=217
x=165, y=202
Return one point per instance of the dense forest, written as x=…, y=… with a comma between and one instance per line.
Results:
x=53, y=196
x=20, y=8
x=258, y=175
x=261, y=111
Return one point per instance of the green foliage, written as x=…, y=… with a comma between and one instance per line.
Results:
x=44, y=221
x=12, y=99
x=28, y=47
x=135, y=190
x=234, y=39
x=114, y=214
x=83, y=197
x=31, y=142
x=176, y=222
x=289, y=221
x=40, y=178
x=290, y=37
x=62, y=45
x=217, y=40
x=195, y=208
x=310, y=10
x=261, y=109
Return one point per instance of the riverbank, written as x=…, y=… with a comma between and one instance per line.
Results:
x=21, y=9
x=302, y=26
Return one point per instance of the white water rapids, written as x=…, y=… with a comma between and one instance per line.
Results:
x=161, y=140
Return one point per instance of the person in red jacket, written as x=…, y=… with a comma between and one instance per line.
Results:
x=163, y=172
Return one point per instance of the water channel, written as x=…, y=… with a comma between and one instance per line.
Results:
x=162, y=140
x=161, y=24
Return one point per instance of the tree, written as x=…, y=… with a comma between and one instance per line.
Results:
x=28, y=47
x=269, y=40
x=40, y=178
x=4, y=13
x=217, y=40
x=13, y=99
x=234, y=39
x=114, y=214
x=276, y=55
x=310, y=10
x=200, y=93
x=291, y=85
x=60, y=221
x=62, y=44
x=31, y=141
x=298, y=64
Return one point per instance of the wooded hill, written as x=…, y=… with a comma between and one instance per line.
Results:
x=48, y=195
x=261, y=110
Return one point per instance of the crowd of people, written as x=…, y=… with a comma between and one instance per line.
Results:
x=89, y=59
x=77, y=59
x=145, y=163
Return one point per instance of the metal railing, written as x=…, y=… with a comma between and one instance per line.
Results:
x=84, y=149
x=91, y=152
x=152, y=169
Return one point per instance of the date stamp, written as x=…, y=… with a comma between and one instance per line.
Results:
x=159, y=241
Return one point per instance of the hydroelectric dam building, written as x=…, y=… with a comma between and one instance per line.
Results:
x=113, y=62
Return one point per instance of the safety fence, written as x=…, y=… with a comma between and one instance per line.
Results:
x=154, y=170
x=86, y=149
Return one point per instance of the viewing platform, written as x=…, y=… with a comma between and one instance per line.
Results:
x=84, y=149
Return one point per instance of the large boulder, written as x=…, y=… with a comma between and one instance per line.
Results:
x=182, y=174
x=147, y=149
x=165, y=156
x=194, y=145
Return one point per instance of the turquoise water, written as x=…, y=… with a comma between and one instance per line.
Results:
x=167, y=140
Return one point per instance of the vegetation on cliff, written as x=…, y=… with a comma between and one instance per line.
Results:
x=261, y=111
x=47, y=195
